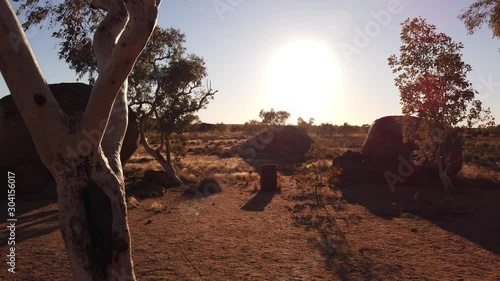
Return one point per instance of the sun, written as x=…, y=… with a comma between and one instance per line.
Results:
x=302, y=78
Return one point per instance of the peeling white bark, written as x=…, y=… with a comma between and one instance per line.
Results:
x=120, y=63
x=84, y=161
x=104, y=42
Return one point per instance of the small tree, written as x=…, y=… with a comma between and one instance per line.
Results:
x=326, y=129
x=251, y=127
x=274, y=117
x=301, y=123
x=318, y=172
x=164, y=78
x=432, y=83
x=432, y=77
x=166, y=89
x=346, y=129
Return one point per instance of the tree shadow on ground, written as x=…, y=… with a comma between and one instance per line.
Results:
x=259, y=202
x=471, y=210
x=476, y=213
x=340, y=258
x=33, y=225
x=25, y=206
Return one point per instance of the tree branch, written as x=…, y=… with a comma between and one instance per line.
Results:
x=105, y=38
x=132, y=41
x=204, y=98
x=39, y=109
x=109, y=31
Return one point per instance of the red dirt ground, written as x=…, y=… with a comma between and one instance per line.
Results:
x=241, y=235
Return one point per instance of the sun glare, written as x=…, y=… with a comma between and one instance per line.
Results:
x=302, y=78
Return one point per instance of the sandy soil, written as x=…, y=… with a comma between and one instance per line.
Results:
x=242, y=235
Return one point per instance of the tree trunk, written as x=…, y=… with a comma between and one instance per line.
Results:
x=167, y=151
x=93, y=219
x=162, y=142
x=84, y=161
x=444, y=159
x=166, y=165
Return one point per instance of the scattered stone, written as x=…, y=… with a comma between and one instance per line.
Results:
x=207, y=187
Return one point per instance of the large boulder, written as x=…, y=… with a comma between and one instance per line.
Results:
x=385, y=150
x=18, y=152
x=282, y=145
x=355, y=170
x=348, y=158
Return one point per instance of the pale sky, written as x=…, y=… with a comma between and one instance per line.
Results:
x=322, y=59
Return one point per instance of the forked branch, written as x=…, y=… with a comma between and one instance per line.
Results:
x=123, y=56
x=105, y=37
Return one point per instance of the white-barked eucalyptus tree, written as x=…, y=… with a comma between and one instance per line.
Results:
x=84, y=159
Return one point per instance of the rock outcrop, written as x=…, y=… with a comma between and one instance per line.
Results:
x=18, y=152
x=385, y=150
x=282, y=145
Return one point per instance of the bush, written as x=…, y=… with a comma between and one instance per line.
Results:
x=317, y=172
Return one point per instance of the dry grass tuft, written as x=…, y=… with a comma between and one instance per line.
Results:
x=241, y=177
x=203, y=165
x=132, y=202
x=186, y=176
x=470, y=171
x=156, y=207
x=281, y=181
x=209, y=186
x=255, y=186
x=133, y=172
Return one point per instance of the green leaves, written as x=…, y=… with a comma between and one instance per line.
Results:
x=74, y=22
x=166, y=84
